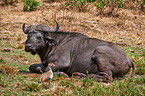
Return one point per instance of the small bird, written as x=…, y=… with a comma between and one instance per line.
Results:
x=47, y=75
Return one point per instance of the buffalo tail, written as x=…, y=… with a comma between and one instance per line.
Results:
x=133, y=67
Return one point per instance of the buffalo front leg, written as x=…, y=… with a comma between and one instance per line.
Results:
x=61, y=74
x=37, y=68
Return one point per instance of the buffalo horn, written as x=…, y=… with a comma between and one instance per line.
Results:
x=52, y=29
x=24, y=29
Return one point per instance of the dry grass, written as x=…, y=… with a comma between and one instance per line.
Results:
x=8, y=69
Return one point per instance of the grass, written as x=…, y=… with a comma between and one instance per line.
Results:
x=15, y=77
x=72, y=86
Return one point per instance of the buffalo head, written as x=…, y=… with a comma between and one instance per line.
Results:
x=36, y=37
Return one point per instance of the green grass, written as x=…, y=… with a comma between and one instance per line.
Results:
x=24, y=85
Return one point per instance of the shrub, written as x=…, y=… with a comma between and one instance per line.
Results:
x=79, y=5
x=104, y=7
x=30, y=5
x=109, y=7
x=7, y=2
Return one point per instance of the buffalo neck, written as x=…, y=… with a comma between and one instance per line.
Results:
x=58, y=37
x=50, y=47
x=42, y=52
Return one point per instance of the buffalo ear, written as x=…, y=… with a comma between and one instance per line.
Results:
x=50, y=41
x=24, y=29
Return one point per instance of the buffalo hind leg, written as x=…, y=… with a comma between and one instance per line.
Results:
x=101, y=76
x=107, y=76
x=103, y=65
x=96, y=77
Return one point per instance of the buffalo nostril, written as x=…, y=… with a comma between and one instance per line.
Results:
x=28, y=45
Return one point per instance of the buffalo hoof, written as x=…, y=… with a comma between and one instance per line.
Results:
x=78, y=75
x=61, y=74
x=101, y=77
x=34, y=68
x=95, y=76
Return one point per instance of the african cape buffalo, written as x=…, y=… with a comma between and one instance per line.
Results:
x=74, y=52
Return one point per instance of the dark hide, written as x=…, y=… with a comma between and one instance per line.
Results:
x=74, y=52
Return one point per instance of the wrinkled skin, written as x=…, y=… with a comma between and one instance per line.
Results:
x=73, y=52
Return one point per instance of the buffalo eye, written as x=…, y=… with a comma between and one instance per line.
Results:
x=39, y=37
